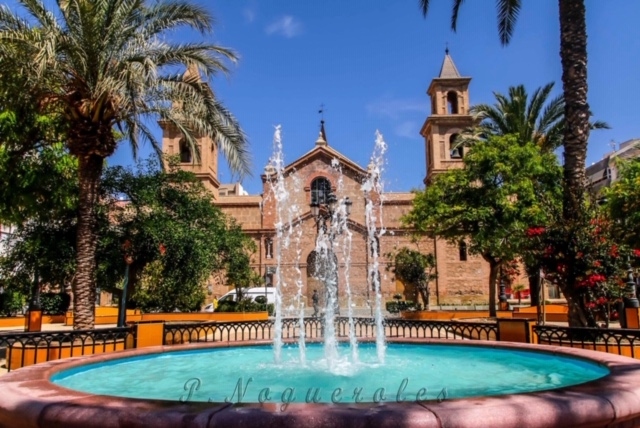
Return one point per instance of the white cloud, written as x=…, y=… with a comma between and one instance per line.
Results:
x=287, y=26
x=249, y=14
x=396, y=108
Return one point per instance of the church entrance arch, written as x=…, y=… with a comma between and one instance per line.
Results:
x=322, y=272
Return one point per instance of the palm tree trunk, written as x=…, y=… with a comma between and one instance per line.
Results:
x=573, y=51
x=84, y=293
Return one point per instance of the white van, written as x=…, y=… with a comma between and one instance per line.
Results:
x=268, y=292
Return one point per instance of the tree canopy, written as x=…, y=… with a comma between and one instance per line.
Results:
x=502, y=189
x=164, y=220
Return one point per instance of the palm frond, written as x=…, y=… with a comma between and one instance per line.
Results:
x=508, y=11
x=454, y=14
x=424, y=7
x=599, y=124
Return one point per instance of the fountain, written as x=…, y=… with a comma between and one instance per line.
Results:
x=377, y=381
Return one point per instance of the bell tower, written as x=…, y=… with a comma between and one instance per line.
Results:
x=449, y=93
x=205, y=167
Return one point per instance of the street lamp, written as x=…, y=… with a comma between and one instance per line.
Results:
x=631, y=301
x=504, y=304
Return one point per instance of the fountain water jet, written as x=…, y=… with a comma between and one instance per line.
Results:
x=373, y=189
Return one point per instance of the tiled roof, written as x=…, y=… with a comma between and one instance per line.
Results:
x=448, y=69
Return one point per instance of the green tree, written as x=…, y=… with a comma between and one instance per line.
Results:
x=622, y=203
x=174, y=234
x=533, y=119
x=573, y=54
x=176, y=237
x=502, y=189
x=106, y=65
x=414, y=268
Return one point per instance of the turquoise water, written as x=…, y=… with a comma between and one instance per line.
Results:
x=248, y=374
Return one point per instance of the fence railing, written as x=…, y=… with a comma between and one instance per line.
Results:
x=614, y=341
x=23, y=349
x=313, y=328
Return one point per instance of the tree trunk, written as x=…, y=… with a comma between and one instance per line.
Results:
x=573, y=52
x=423, y=290
x=84, y=293
x=533, y=274
x=494, y=266
x=577, y=315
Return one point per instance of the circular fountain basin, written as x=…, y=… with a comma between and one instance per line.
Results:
x=410, y=372
x=428, y=384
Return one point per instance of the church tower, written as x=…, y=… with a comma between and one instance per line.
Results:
x=449, y=93
x=173, y=144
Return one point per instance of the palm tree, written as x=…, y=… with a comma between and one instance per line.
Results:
x=532, y=118
x=573, y=53
x=106, y=66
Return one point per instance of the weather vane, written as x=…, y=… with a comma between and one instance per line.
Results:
x=321, y=111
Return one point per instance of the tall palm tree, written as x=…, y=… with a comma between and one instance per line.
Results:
x=106, y=65
x=573, y=53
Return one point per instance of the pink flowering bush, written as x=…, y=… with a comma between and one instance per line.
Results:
x=586, y=264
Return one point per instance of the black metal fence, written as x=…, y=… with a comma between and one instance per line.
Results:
x=23, y=349
x=314, y=328
x=614, y=341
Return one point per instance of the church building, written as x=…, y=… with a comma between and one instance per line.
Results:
x=322, y=172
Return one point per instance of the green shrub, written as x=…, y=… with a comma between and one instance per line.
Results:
x=402, y=305
x=54, y=303
x=11, y=303
x=246, y=305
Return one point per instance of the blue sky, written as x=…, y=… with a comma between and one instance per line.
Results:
x=371, y=62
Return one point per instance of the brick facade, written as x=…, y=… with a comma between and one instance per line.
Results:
x=461, y=280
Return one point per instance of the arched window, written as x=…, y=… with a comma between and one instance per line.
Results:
x=462, y=249
x=320, y=190
x=185, y=152
x=452, y=102
x=455, y=151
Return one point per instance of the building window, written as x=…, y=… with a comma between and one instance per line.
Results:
x=455, y=150
x=320, y=190
x=268, y=248
x=452, y=102
x=185, y=152
x=462, y=249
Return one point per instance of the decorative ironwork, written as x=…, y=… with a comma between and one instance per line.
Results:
x=37, y=347
x=314, y=329
x=614, y=341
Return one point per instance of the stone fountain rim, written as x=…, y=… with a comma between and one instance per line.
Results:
x=28, y=396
